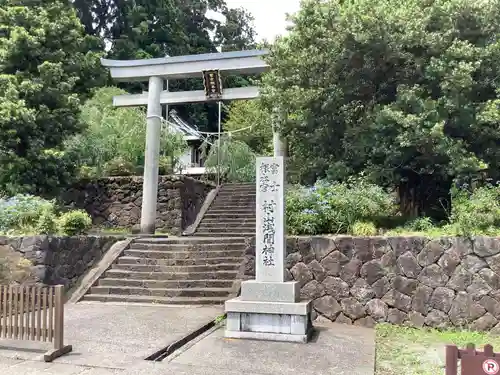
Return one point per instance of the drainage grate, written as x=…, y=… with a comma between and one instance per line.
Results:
x=161, y=354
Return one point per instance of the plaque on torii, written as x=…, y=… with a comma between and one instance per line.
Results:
x=155, y=71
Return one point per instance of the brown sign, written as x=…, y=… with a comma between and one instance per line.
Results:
x=473, y=362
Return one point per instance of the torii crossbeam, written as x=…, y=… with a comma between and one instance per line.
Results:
x=156, y=72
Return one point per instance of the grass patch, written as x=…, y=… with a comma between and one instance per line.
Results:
x=410, y=351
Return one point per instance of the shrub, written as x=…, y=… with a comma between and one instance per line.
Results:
x=421, y=224
x=119, y=167
x=476, y=212
x=237, y=160
x=302, y=213
x=74, y=223
x=22, y=211
x=362, y=228
x=47, y=223
x=335, y=208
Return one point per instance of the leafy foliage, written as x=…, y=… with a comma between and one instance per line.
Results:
x=237, y=161
x=47, y=222
x=252, y=115
x=47, y=65
x=407, y=92
x=74, y=223
x=336, y=208
x=119, y=167
x=155, y=28
x=114, y=140
x=477, y=211
x=23, y=211
x=363, y=228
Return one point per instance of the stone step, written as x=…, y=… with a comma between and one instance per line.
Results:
x=222, y=210
x=226, y=230
x=201, y=254
x=238, y=189
x=221, y=234
x=218, y=219
x=180, y=262
x=168, y=284
x=229, y=216
x=155, y=300
x=236, y=196
x=161, y=292
x=175, y=269
x=234, y=204
x=237, y=244
x=183, y=255
x=148, y=275
x=183, y=240
x=226, y=224
x=238, y=186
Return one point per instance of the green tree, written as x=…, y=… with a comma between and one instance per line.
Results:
x=155, y=28
x=114, y=138
x=237, y=32
x=47, y=66
x=249, y=122
x=236, y=162
x=407, y=92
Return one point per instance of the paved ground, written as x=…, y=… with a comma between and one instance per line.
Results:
x=125, y=334
x=113, y=335
x=114, y=339
x=336, y=349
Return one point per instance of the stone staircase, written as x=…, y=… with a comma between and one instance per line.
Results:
x=195, y=270
x=182, y=271
x=231, y=214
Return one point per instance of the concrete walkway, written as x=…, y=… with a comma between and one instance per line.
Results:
x=115, y=339
x=115, y=335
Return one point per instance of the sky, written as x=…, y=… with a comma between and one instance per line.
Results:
x=269, y=15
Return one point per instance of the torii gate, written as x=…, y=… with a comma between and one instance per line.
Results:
x=156, y=72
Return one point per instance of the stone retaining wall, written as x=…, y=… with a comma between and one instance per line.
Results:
x=116, y=202
x=443, y=282
x=60, y=260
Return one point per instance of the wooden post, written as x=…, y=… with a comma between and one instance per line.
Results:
x=59, y=315
x=51, y=314
x=21, y=313
x=44, y=311
x=59, y=348
x=451, y=360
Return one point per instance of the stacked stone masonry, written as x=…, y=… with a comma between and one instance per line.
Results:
x=116, y=202
x=60, y=260
x=439, y=283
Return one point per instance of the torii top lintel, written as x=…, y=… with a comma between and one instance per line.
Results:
x=190, y=66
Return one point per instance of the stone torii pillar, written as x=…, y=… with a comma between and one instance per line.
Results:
x=152, y=156
x=156, y=71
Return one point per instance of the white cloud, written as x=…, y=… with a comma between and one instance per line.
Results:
x=270, y=15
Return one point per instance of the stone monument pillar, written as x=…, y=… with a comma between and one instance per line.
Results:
x=270, y=308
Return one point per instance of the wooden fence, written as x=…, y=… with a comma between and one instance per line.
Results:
x=34, y=313
x=472, y=361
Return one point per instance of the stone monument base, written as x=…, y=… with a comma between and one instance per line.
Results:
x=270, y=321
